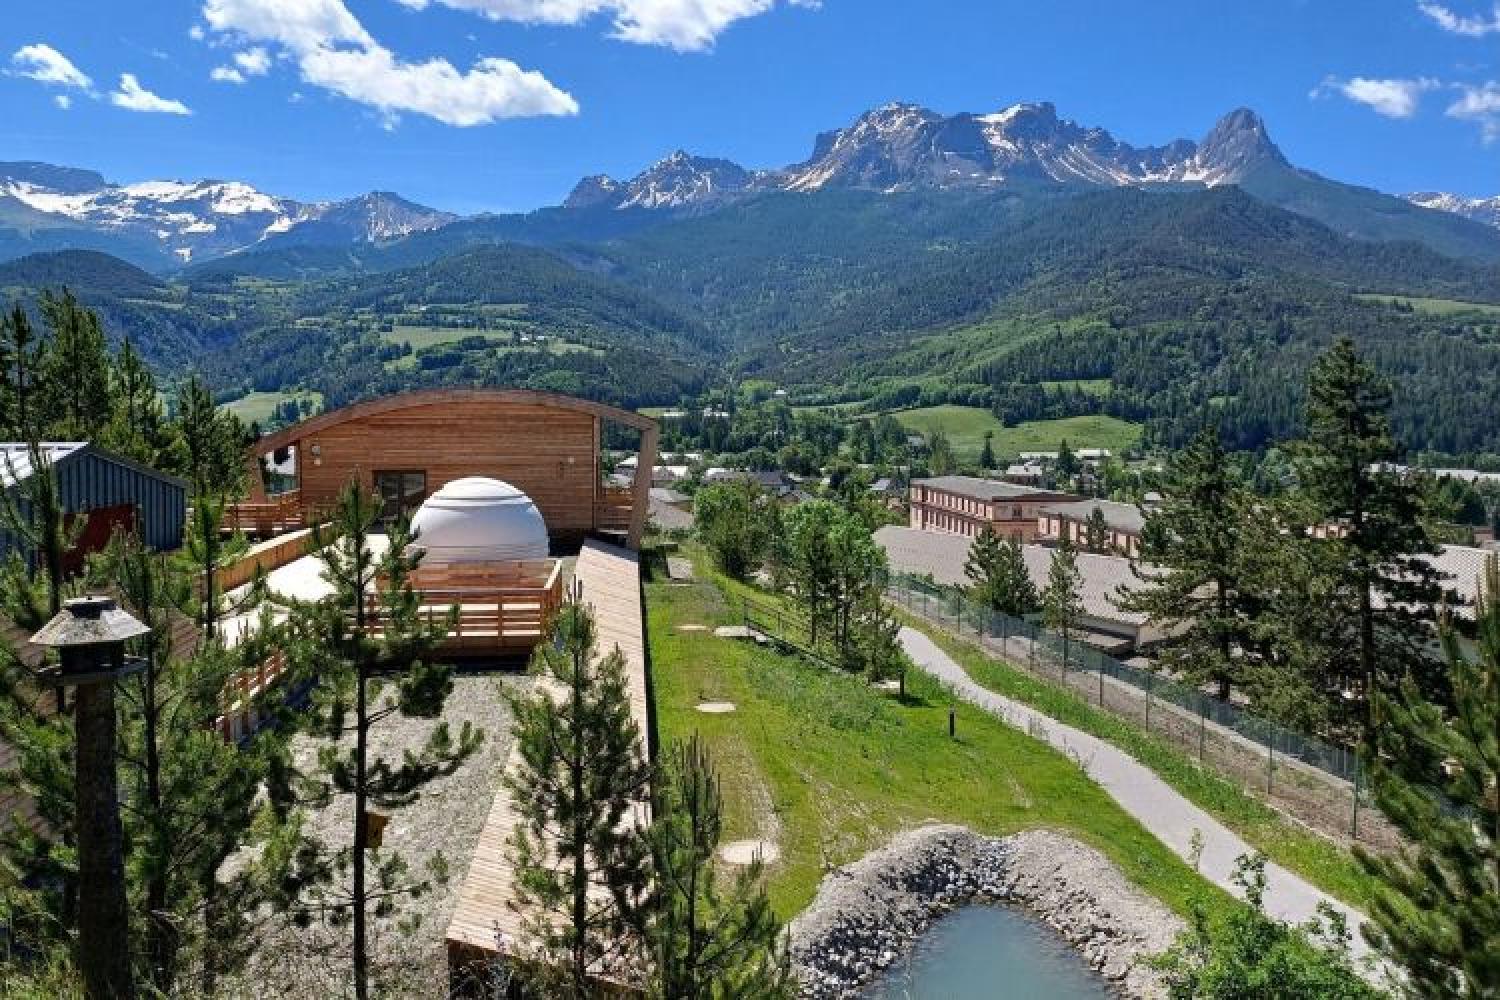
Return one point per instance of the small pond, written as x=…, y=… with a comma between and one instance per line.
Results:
x=990, y=953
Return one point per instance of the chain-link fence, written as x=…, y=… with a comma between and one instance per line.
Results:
x=1319, y=782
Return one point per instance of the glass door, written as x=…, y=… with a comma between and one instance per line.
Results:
x=400, y=492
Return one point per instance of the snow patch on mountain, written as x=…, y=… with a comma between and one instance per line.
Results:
x=1485, y=210
x=195, y=219
x=905, y=146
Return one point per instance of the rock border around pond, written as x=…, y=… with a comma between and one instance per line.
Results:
x=867, y=915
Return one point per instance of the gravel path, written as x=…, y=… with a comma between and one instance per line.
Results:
x=294, y=963
x=868, y=914
x=1140, y=792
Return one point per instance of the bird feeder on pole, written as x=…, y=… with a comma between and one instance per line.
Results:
x=89, y=634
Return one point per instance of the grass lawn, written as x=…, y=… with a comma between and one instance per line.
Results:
x=1323, y=863
x=1092, y=386
x=965, y=426
x=1435, y=307
x=258, y=406
x=830, y=768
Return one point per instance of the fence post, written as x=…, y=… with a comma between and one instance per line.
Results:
x=1101, y=685
x=1354, y=823
x=1149, y=675
x=1202, y=725
x=1270, y=758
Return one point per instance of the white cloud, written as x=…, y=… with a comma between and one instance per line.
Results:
x=196, y=33
x=253, y=62
x=1458, y=24
x=41, y=62
x=63, y=101
x=133, y=97
x=684, y=25
x=334, y=51
x=1392, y=98
x=1479, y=103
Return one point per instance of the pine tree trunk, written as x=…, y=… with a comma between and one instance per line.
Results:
x=580, y=833
x=361, y=959
x=159, y=929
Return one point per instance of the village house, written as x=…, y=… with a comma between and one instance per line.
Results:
x=965, y=505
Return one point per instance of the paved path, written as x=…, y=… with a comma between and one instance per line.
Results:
x=1138, y=790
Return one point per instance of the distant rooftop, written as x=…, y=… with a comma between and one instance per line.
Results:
x=1126, y=517
x=982, y=489
x=942, y=556
x=15, y=458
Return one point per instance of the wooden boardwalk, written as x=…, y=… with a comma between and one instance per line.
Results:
x=484, y=922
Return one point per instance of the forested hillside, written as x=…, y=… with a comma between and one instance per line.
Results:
x=1165, y=302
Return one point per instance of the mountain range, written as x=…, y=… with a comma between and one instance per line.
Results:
x=162, y=223
x=904, y=147
x=166, y=225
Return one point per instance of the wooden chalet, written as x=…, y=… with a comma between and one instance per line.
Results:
x=407, y=446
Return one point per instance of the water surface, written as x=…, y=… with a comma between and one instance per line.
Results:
x=990, y=953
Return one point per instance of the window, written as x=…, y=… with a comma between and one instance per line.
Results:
x=400, y=492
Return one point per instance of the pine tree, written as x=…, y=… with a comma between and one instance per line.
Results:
x=704, y=944
x=1018, y=596
x=20, y=357
x=1198, y=586
x=137, y=428
x=581, y=860
x=74, y=369
x=1096, y=532
x=1436, y=912
x=982, y=568
x=998, y=578
x=1368, y=520
x=189, y=795
x=940, y=458
x=987, y=453
x=1062, y=604
x=369, y=631
x=210, y=454
x=1067, y=462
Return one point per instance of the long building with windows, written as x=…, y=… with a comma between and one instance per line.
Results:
x=965, y=505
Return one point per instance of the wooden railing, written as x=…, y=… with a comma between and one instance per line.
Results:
x=273, y=516
x=241, y=716
x=613, y=509
x=503, y=608
x=264, y=558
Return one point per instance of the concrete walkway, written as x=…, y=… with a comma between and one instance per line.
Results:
x=1138, y=790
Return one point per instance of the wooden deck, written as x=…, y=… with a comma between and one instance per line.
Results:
x=484, y=923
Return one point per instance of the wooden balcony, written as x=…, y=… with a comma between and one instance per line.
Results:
x=504, y=609
x=264, y=518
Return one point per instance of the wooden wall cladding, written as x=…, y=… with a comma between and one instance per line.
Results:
x=548, y=452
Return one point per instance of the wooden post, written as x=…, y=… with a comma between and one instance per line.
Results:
x=103, y=919
x=641, y=501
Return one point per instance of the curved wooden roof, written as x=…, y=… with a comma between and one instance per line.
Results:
x=437, y=397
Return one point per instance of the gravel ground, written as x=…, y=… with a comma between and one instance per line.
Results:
x=314, y=962
x=867, y=915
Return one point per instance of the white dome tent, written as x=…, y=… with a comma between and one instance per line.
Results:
x=479, y=520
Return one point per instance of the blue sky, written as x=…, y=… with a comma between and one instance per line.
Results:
x=501, y=105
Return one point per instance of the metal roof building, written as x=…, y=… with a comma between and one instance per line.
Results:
x=108, y=490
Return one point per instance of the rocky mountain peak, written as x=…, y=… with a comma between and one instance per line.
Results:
x=1238, y=141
